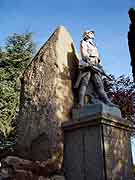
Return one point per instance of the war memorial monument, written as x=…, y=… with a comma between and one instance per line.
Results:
x=67, y=128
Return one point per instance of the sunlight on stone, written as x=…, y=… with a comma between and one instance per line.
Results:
x=133, y=149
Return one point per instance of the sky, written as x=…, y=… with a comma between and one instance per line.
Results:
x=109, y=19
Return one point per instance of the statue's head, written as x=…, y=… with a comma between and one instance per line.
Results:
x=89, y=34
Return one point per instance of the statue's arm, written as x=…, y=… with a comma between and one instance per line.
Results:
x=84, y=50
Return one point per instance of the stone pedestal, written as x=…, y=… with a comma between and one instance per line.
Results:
x=97, y=145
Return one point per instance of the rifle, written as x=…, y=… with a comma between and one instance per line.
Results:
x=96, y=69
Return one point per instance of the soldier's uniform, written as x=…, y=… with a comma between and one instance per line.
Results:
x=90, y=56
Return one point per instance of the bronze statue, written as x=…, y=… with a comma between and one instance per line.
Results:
x=89, y=81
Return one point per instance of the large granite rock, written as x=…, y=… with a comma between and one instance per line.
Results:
x=15, y=168
x=47, y=99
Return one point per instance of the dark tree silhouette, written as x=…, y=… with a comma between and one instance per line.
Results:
x=131, y=39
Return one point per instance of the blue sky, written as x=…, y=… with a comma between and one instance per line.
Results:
x=109, y=18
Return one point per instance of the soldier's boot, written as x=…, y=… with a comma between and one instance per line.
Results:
x=104, y=98
x=100, y=90
x=82, y=92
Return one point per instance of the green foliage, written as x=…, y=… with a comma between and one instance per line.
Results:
x=14, y=58
x=19, y=49
x=134, y=169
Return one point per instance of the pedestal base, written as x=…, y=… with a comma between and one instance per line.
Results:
x=97, y=148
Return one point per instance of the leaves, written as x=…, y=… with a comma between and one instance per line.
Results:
x=121, y=90
x=14, y=58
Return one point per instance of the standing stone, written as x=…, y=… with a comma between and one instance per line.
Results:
x=47, y=99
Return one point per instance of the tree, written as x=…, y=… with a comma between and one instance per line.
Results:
x=14, y=57
x=121, y=91
x=131, y=39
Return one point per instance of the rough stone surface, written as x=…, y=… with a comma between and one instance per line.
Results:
x=118, y=155
x=47, y=99
x=16, y=168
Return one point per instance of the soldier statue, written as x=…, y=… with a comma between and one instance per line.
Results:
x=89, y=81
